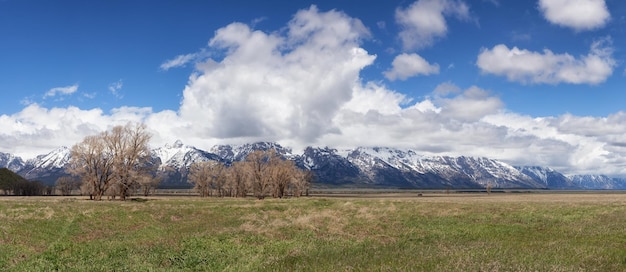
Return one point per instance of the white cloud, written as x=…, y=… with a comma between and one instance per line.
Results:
x=576, y=14
x=547, y=67
x=302, y=86
x=115, y=88
x=408, y=65
x=574, y=144
x=472, y=105
x=61, y=90
x=36, y=130
x=424, y=21
x=446, y=88
x=277, y=87
x=182, y=60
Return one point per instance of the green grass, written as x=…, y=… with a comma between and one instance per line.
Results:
x=506, y=232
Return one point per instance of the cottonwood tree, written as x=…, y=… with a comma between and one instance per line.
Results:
x=272, y=174
x=111, y=161
x=301, y=182
x=262, y=173
x=147, y=184
x=259, y=166
x=207, y=176
x=238, y=179
x=131, y=156
x=67, y=184
x=92, y=161
x=283, y=173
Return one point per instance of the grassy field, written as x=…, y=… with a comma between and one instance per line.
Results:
x=395, y=232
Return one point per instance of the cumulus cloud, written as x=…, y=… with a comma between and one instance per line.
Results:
x=37, y=130
x=576, y=14
x=61, y=91
x=424, y=21
x=547, y=67
x=272, y=86
x=569, y=143
x=409, y=65
x=302, y=86
x=45, y=129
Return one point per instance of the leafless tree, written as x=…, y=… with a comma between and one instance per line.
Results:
x=147, y=184
x=238, y=179
x=92, y=161
x=111, y=162
x=207, y=177
x=67, y=184
x=283, y=173
x=131, y=155
x=259, y=166
x=301, y=182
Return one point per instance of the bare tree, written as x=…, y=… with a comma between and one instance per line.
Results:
x=131, y=155
x=269, y=173
x=91, y=160
x=301, y=182
x=67, y=184
x=283, y=173
x=147, y=184
x=259, y=165
x=262, y=173
x=111, y=162
x=207, y=176
x=238, y=179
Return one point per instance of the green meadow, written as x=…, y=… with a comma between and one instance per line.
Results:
x=393, y=232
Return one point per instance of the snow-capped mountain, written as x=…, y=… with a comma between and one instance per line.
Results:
x=548, y=177
x=175, y=160
x=407, y=168
x=595, y=182
x=180, y=156
x=233, y=153
x=360, y=167
x=329, y=167
x=47, y=168
x=11, y=162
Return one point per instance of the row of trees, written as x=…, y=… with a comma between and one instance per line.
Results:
x=118, y=162
x=113, y=162
x=68, y=185
x=262, y=173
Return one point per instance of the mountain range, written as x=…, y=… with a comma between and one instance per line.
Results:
x=363, y=167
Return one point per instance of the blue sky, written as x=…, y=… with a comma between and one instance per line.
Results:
x=527, y=82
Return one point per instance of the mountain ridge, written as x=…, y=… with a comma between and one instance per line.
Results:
x=358, y=167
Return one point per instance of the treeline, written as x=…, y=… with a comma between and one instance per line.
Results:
x=118, y=163
x=262, y=174
x=13, y=184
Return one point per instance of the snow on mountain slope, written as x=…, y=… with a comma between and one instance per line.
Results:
x=11, y=162
x=233, y=153
x=549, y=177
x=329, y=166
x=598, y=182
x=364, y=166
x=180, y=156
x=58, y=158
x=454, y=171
x=47, y=168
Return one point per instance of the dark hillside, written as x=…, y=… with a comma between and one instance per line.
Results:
x=14, y=184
